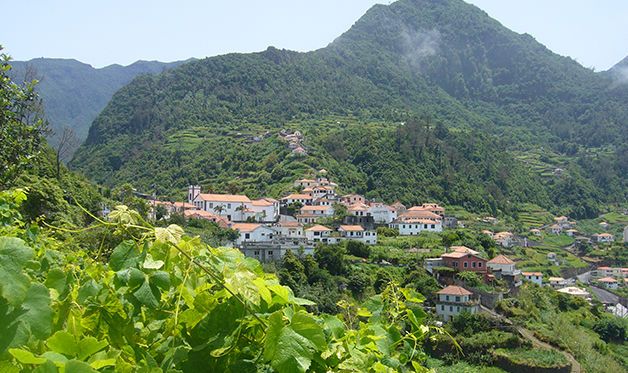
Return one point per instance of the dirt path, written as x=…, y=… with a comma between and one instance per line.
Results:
x=527, y=334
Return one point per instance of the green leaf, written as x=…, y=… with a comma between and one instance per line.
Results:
x=160, y=279
x=172, y=234
x=125, y=255
x=38, y=312
x=286, y=350
x=149, y=263
x=97, y=364
x=145, y=295
x=47, y=367
x=14, y=255
x=334, y=326
x=63, y=343
x=305, y=325
x=89, y=346
x=56, y=279
x=75, y=366
x=26, y=357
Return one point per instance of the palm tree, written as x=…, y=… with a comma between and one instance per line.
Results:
x=241, y=208
x=219, y=209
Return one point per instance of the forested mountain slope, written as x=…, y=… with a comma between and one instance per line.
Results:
x=492, y=104
x=73, y=92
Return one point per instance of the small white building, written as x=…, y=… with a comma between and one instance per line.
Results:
x=232, y=206
x=351, y=199
x=501, y=263
x=303, y=199
x=603, y=238
x=571, y=232
x=413, y=227
x=454, y=300
x=289, y=229
x=534, y=277
x=356, y=232
x=556, y=229
x=505, y=239
x=252, y=232
x=557, y=282
x=318, y=234
x=382, y=213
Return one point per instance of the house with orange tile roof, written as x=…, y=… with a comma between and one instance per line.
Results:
x=504, y=239
x=382, y=213
x=320, y=211
x=289, y=229
x=412, y=226
x=608, y=282
x=533, y=277
x=464, y=261
x=235, y=207
x=319, y=234
x=351, y=199
x=206, y=215
x=358, y=233
x=453, y=300
x=302, y=198
x=603, y=237
x=252, y=232
x=501, y=263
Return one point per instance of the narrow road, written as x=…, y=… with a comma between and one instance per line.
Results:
x=605, y=296
x=527, y=334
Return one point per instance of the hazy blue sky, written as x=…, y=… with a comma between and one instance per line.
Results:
x=100, y=33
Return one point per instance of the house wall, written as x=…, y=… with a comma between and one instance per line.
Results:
x=449, y=310
x=501, y=267
x=261, y=234
x=459, y=263
x=413, y=229
x=534, y=279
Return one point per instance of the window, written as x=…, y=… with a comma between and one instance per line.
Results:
x=256, y=252
x=457, y=299
x=442, y=307
x=228, y=205
x=317, y=233
x=211, y=204
x=433, y=226
x=473, y=264
x=458, y=308
x=270, y=252
x=465, y=264
x=451, y=308
x=455, y=264
x=424, y=226
x=480, y=264
x=446, y=297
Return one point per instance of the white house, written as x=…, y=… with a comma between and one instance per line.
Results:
x=603, y=238
x=252, y=232
x=289, y=229
x=265, y=209
x=557, y=282
x=413, y=227
x=382, y=213
x=454, y=300
x=534, y=277
x=356, y=232
x=504, y=238
x=318, y=233
x=501, y=263
x=234, y=207
x=303, y=199
x=608, y=282
x=556, y=229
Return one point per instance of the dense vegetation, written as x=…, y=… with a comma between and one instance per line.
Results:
x=480, y=102
x=74, y=93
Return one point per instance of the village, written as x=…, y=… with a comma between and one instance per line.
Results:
x=314, y=214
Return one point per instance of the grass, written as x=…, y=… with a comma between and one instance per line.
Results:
x=462, y=367
x=537, y=357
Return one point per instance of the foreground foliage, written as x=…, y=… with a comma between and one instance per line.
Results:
x=165, y=302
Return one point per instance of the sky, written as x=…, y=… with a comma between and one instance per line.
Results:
x=593, y=32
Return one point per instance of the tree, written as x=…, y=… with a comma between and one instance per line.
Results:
x=470, y=278
x=611, y=329
x=21, y=124
x=219, y=209
x=331, y=258
x=67, y=142
x=241, y=209
x=358, y=248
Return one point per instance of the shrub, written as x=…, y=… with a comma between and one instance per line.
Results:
x=611, y=329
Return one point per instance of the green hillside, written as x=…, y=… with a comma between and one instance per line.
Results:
x=488, y=102
x=73, y=92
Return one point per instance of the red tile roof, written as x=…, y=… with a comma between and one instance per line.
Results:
x=351, y=228
x=501, y=259
x=224, y=198
x=454, y=290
